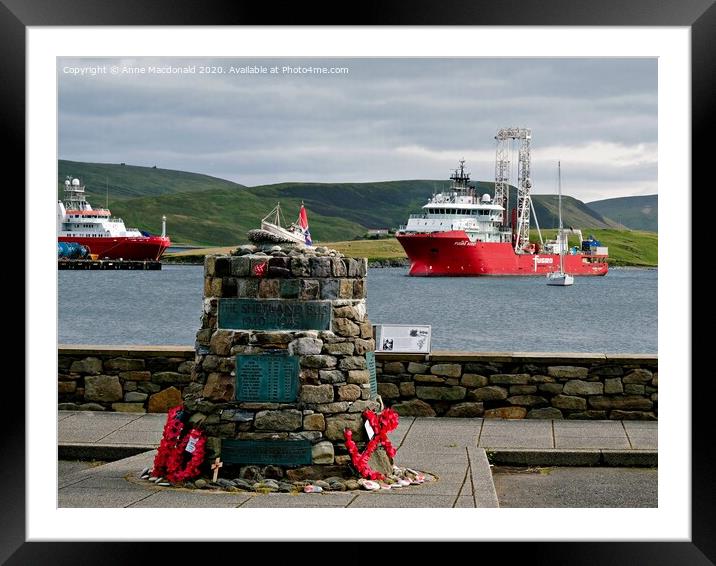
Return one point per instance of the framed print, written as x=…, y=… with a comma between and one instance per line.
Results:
x=39, y=42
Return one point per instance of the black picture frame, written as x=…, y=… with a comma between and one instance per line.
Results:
x=699, y=15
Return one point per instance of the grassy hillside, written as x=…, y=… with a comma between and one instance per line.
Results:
x=131, y=181
x=637, y=213
x=625, y=248
x=204, y=210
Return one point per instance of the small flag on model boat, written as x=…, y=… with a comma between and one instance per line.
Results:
x=303, y=223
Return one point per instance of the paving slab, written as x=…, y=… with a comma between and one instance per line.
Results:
x=566, y=442
x=490, y=441
x=286, y=500
x=100, y=497
x=175, y=498
x=394, y=500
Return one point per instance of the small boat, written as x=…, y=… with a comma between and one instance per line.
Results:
x=560, y=278
x=296, y=232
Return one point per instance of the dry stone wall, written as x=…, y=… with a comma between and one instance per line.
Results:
x=554, y=386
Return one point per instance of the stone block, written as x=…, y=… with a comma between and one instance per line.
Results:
x=466, y=409
x=388, y=390
x=567, y=372
x=523, y=389
x=171, y=377
x=613, y=386
x=358, y=376
x=393, y=368
x=240, y=266
x=335, y=425
x=135, y=397
x=103, y=388
x=634, y=389
x=300, y=267
x=414, y=408
x=285, y=420
x=359, y=289
x=129, y=407
x=314, y=421
x=363, y=346
x=345, y=327
x=509, y=378
x=473, y=380
x=289, y=288
x=339, y=349
x=446, y=370
x=66, y=387
x=420, y=378
x=269, y=289
x=415, y=367
x=440, y=393
x=316, y=394
x=626, y=402
x=322, y=453
x=349, y=392
x=164, y=400
x=320, y=266
x=553, y=388
x=506, y=413
x=407, y=389
x=569, y=402
x=87, y=365
x=527, y=400
x=345, y=288
x=489, y=393
x=331, y=376
x=579, y=387
x=352, y=362
x=545, y=413
x=305, y=347
x=640, y=376
x=219, y=387
x=318, y=361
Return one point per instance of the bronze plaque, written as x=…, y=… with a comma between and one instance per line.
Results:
x=267, y=378
x=274, y=314
x=278, y=452
x=370, y=362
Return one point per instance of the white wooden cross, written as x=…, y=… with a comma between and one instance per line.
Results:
x=215, y=466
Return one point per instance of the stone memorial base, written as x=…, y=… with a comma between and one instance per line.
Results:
x=284, y=363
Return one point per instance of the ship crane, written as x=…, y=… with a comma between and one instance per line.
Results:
x=506, y=138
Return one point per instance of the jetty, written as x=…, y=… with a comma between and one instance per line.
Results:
x=146, y=265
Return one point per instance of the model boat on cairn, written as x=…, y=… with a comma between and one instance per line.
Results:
x=463, y=233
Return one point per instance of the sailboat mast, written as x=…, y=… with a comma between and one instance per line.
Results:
x=560, y=238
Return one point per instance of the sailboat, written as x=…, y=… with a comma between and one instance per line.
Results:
x=560, y=278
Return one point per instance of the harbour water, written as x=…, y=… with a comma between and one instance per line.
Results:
x=616, y=313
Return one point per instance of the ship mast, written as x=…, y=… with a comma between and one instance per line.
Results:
x=75, y=195
x=505, y=138
x=560, y=235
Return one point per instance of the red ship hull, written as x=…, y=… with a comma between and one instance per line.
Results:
x=453, y=254
x=144, y=248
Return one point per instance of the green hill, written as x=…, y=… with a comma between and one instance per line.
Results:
x=636, y=213
x=131, y=181
x=204, y=210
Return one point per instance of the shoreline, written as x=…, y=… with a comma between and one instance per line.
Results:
x=372, y=263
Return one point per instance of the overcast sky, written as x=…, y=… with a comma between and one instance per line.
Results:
x=385, y=119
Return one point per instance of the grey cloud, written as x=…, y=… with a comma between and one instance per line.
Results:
x=264, y=129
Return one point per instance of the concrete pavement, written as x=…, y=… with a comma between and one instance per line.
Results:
x=457, y=451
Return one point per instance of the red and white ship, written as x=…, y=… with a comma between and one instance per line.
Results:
x=104, y=236
x=462, y=233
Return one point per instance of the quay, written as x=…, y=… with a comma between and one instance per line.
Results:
x=145, y=265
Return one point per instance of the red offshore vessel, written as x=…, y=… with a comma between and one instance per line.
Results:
x=104, y=236
x=462, y=233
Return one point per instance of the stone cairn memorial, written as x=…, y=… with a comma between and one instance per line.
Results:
x=285, y=363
